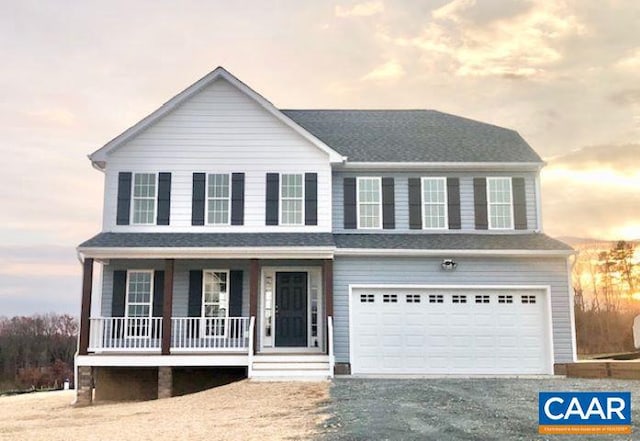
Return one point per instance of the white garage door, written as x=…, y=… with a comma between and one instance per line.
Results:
x=447, y=331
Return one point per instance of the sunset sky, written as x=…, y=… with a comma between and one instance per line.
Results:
x=565, y=74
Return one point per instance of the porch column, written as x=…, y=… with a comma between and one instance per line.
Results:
x=327, y=273
x=85, y=310
x=254, y=278
x=167, y=305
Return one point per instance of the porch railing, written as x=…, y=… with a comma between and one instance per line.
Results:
x=210, y=334
x=125, y=334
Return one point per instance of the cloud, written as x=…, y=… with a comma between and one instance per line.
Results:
x=593, y=192
x=391, y=70
x=630, y=62
x=364, y=9
x=626, y=97
x=624, y=159
x=480, y=39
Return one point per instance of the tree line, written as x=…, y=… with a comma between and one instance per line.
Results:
x=606, y=283
x=37, y=351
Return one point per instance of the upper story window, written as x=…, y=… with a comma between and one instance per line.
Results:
x=291, y=199
x=434, y=203
x=144, y=198
x=218, y=199
x=369, y=202
x=499, y=201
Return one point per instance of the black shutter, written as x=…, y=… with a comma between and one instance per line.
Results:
x=158, y=293
x=311, y=198
x=349, y=197
x=164, y=198
x=480, y=203
x=388, y=204
x=237, y=199
x=273, y=194
x=119, y=293
x=124, y=198
x=197, y=198
x=195, y=293
x=453, y=203
x=415, y=204
x=519, y=204
x=235, y=293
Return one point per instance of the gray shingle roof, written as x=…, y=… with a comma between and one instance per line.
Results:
x=202, y=240
x=412, y=135
x=418, y=241
x=530, y=241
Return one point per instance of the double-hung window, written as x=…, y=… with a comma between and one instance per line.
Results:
x=139, y=301
x=218, y=199
x=369, y=202
x=434, y=203
x=500, y=203
x=215, y=301
x=144, y=198
x=291, y=199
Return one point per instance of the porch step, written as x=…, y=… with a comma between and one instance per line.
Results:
x=259, y=366
x=282, y=367
x=291, y=358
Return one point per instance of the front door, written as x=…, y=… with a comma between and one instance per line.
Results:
x=291, y=309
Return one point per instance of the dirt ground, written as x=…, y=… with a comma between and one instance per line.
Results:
x=238, y=411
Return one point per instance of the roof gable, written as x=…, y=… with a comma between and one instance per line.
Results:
x=99, y=157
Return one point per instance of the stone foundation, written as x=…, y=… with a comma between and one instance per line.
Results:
x=165, y=382
x=342, y=369
x=84, y=386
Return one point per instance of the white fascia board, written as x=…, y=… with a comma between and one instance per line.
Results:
x=99, y=157
x=447, y=253
x=209, y=253
x=445, y=166
x=126, y=360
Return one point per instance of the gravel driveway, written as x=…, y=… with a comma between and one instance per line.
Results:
x=454, y=409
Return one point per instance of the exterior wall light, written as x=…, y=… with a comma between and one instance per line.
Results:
x=449, y=264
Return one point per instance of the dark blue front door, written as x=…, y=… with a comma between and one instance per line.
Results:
x=291, y=309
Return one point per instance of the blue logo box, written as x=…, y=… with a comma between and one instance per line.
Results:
x=584, y=408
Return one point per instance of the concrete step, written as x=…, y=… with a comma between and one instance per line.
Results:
x=286, y=375
x=291, y=358
x=262, y=365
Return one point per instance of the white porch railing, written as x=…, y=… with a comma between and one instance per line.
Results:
x=125, y=334
x=206, y=334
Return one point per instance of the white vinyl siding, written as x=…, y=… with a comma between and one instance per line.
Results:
x=500, y=203
x=144, y=199
x=369, y=202
x=214, y=131
x=434, y=203
x=218, y=199
x=139, y=293
x=291, y=199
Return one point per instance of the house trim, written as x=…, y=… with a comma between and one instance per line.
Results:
x=444, y=166
x=545, y=288
x=210, y=253
x=155, y=360
x=406, y=252
x=99, y=157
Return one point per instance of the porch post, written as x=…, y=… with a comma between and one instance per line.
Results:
x=327, y=272
x=167, y=305
x=85, y=310
x=254, y=277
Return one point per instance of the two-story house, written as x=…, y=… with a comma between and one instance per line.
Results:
x=299, y=243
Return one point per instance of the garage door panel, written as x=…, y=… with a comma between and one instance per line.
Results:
x=412, y=333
